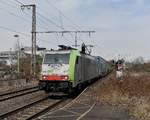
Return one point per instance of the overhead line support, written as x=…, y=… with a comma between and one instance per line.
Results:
x=66, y=31
x=33, y=54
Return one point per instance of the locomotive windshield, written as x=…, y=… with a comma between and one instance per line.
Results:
x=56, y=59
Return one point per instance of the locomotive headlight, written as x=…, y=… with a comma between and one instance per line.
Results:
x=66, y=77
x=44, y=77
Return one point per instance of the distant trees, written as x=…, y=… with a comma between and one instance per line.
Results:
x=25, y=66
x=138, y=65
x=138, y=60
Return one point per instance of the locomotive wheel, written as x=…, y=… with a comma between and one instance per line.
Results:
x=79, y=87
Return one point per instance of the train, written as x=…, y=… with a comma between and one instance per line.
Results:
x=68, y=70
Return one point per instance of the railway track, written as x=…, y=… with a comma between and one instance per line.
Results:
x=32, y=110
x=18, y=93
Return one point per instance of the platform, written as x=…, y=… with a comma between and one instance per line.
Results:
x=85, y=108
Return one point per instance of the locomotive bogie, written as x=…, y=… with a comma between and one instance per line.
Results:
x=54, y=86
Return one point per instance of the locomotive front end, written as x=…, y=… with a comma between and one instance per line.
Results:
x=55, y=71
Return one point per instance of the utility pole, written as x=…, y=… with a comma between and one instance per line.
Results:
x=75, y=32
x=76, y=41
x=10, y=58
x=33, y=54
x=18, y=53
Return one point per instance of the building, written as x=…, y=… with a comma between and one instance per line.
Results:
x=8, y=57
x=28, y=50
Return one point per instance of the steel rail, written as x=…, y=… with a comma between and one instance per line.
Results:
x=45, y=110
x=13, y=92
x=19, y=94
x=7, y=114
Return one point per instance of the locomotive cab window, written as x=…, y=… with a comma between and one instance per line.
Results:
x=56, y=59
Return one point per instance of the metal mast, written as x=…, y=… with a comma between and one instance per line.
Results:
x=33, y=54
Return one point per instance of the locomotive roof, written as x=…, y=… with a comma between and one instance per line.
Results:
x=58, y=52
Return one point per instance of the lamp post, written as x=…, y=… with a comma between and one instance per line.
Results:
x=18, y=53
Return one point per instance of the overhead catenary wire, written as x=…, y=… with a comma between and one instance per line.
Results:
x=78, y=28
x=15, y=31
x=15, y=15
x=43, y=17
x=24, y=34
x=6, y=2
x=46, y=41
x=19, y=2
x=43, y=11
x=60, y=12
x=12, y=30
x=21, y=17
x=50, y=21
x=75, y=25
x=55, y=25
x=47, y=19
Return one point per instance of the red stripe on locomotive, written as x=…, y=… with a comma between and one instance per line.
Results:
x=55, y=77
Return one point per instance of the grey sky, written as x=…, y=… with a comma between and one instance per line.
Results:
x=122, y=26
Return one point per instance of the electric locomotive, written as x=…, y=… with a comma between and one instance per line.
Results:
x=68, y=69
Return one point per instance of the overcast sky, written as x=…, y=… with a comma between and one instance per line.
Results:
x=122, y=26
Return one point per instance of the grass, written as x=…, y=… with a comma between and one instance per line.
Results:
x=133, y=92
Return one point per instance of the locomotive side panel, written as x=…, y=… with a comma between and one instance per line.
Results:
x=103, y=66
x=90, y=69
x=78, y=71
x=86, y=69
